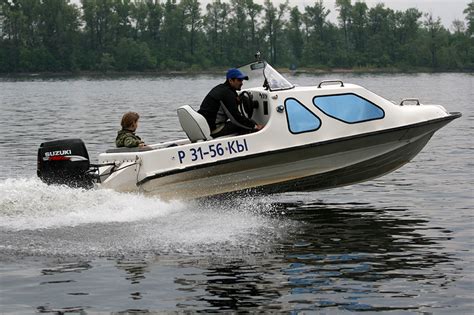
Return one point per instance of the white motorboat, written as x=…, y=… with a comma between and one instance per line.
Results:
x=314, y=137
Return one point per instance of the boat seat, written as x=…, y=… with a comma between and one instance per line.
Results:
x=194, y=124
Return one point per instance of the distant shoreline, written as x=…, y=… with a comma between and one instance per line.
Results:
x=305, y=70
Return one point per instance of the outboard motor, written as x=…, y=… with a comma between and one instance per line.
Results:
x=65, y=162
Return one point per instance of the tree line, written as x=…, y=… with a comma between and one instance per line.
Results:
x=151, y=35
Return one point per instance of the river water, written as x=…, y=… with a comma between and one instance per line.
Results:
x=402, y=243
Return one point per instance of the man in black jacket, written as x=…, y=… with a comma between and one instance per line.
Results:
x=220, y=107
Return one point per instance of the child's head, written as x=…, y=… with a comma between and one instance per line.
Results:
x=129, y=121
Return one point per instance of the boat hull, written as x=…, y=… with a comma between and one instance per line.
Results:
x=310, y=167
x=366, y=170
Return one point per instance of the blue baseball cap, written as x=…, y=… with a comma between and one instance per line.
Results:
x=236, y=74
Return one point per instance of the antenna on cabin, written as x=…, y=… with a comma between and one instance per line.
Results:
x=257, y=56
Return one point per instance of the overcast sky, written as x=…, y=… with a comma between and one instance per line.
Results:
x=447, y=10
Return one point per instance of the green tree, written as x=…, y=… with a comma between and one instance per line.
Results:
x=192, y=21
x=460, y=47
x=434, y=38
x=273, y=27
x=359, y=29
x=406, y=32
x=147, y=16
x=295, y=35
x=469, y=12
x=173, y=36
x=59, y=31
x=12, y=35
x=345, y=8
x=215, y=25
x=406, y=25
x=238, y=31
x=121, y=19
x=132, y=55
x=316, y=21
x=381, y=30
x=155, y=20
x=253, y=10
x=106, y=63
x=98, y=17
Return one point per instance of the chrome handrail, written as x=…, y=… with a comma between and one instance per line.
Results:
x=410, y=100
x=330, y=81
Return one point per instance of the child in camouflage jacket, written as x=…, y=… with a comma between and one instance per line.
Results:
x=127, y=137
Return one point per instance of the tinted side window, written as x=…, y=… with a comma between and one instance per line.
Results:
x=349, y=108
x=300, y=119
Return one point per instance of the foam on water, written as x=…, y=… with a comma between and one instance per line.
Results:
x=55, y=220
x=29, y=204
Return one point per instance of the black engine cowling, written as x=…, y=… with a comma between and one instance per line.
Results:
x=65, y=162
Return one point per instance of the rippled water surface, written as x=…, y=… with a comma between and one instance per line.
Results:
x=401, y=244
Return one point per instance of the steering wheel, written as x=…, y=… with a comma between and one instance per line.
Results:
x=246, y=104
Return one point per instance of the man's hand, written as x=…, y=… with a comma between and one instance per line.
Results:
x=258, y=127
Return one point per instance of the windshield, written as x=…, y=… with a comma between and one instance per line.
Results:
x=261, y=74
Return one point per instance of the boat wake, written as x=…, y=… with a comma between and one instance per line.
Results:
x=37, y=219
x=29, y=204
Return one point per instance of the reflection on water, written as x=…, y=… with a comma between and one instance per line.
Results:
x=349, y=257
x=66, y=267
x=342, y=257
x=135, y=269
